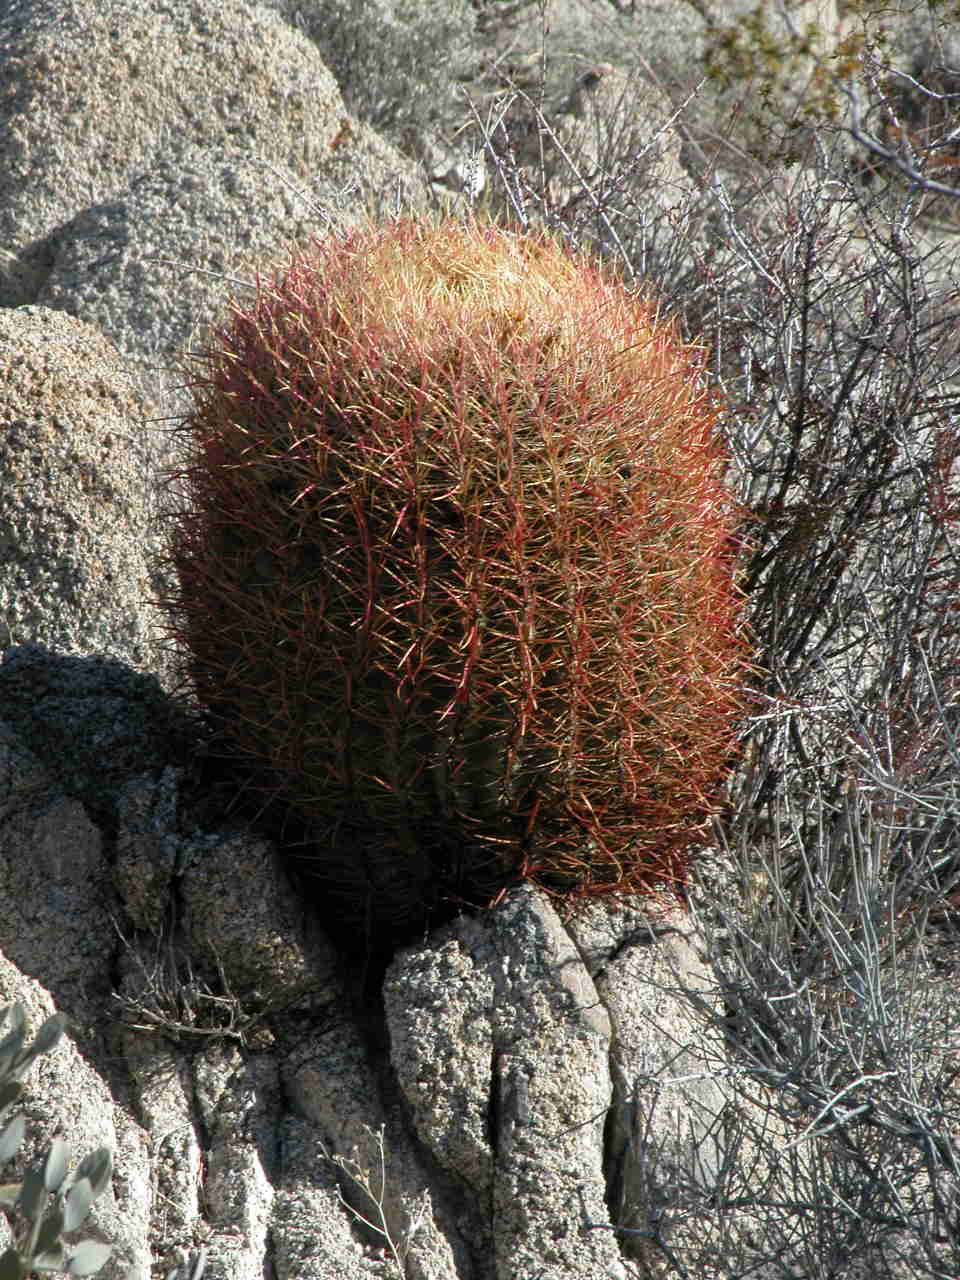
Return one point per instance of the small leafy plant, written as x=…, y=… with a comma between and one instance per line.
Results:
x=48, y=1202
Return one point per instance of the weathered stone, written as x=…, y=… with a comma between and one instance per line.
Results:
x=75, y=504
x=497, y=1020
x=330, y=1079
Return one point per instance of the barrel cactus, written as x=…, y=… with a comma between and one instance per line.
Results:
x=455, y=571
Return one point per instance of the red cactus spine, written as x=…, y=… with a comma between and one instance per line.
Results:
x=454, y=568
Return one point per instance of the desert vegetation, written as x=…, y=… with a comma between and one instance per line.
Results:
x=49, y=1201
x=821, y=271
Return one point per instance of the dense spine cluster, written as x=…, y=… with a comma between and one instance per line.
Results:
x=456, y=569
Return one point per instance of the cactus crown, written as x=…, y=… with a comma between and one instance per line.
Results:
x=455, y=569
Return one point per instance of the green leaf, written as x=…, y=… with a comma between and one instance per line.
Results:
x=52, y=1260
x=10, y=1091
x=87, y=1258
x=12, y=1138
x=97, y=1168
x=32, y=1193
x=17, y=1016
x=56, y=1164
x=78, y=1204
x=49, y=1035
x=11, y=1268
x=12, y=1042
x=9, y=1194
x=51, y=1229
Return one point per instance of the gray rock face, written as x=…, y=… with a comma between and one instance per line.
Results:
x=75, y=1100
x=560, y=1073
x=666, y=1133
x=75, y=505
x=200, y=142
x=57, y=892
x=102, y=92
x=501, y=1047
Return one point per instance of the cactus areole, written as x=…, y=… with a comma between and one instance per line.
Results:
x=455, y=573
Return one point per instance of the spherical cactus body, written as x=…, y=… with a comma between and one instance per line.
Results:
x=455, y=570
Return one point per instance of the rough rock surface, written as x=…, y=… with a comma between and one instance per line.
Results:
x=103, y=92
x=666, y=1135
x=76, y=517
x=501, y=1047
x=200, y=140
x=72, y=1096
